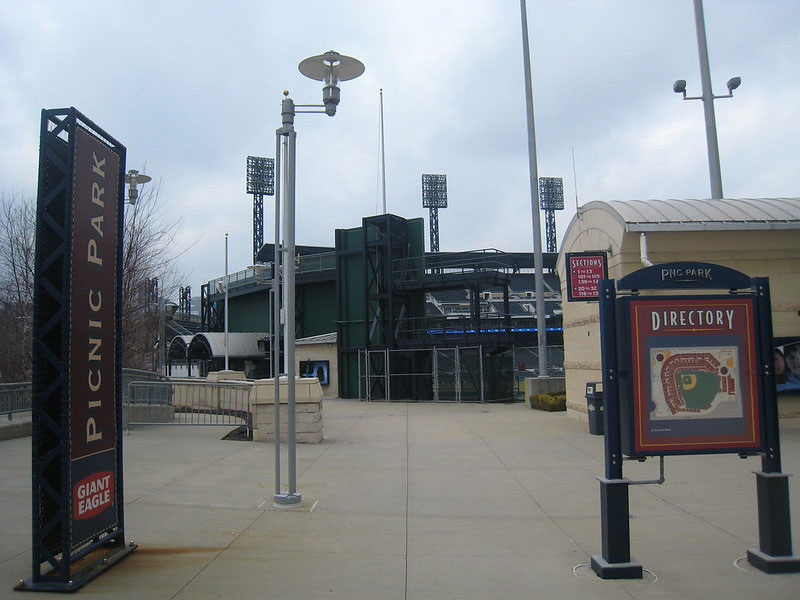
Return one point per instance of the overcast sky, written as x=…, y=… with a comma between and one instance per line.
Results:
x=193, y=88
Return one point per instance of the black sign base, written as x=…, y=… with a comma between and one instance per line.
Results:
x=607, y=570
x=773, y=564
x=616, y=561
x=774, y=554
x=80, y=578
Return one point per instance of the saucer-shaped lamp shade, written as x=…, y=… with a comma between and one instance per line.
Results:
x=320, y=67
x=331, y=68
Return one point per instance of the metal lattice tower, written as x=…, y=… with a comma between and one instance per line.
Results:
x=260, y=183
x=434, y=197
x=551, y=199
x=185, y=300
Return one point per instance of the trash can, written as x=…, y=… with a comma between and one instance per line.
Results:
x=594, y=406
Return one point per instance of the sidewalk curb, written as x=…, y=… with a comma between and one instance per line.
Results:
x=10, y=430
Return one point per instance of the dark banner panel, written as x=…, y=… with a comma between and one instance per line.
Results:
x=93, y=297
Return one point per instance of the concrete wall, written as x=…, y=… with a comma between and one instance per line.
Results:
x=774, y=254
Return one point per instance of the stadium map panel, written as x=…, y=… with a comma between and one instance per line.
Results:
x=694, y=378
x=695, y=383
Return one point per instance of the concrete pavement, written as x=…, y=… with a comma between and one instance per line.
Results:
x=414, y=501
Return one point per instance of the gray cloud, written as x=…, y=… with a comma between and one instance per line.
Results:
x=192, y=88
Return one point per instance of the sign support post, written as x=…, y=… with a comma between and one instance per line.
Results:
x=615, y=562
x=774, y=552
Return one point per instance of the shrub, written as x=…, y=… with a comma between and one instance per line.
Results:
x=554, y=401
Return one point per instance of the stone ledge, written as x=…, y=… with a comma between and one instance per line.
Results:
x=308, y=410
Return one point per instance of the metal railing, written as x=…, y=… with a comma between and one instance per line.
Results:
x=262, y=274
x=15, y=398
x=314, y=263
x=152, y=399
x=186, y=402
x=487, y=259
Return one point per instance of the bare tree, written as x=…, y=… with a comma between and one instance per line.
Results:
x=17, y=223
x=149, y=253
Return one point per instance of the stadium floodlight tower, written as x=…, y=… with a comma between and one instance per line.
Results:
x=551, y=199
x=260, y=183
x=434, y=197
x=330, y=68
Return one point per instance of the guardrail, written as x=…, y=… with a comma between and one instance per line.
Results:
x=15, y=398
x=187, y=402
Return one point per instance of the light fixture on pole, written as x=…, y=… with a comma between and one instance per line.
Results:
x=227, y=285
x=330, y=68
x=260, y=183
x=708, y=97
x=166, y=311
x=134, y=178
x=551, y=199
x=434, y=197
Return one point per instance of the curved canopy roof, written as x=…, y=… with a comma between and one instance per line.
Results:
x=178, y=345
x=692, y=215
x=240, y=345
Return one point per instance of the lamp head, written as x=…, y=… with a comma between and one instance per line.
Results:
x=679, y=87
x=331, y=68
x=734, y=83
x=132, y=178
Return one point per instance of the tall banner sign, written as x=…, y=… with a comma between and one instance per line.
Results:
x=76, y=443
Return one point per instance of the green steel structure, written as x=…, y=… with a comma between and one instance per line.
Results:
x=375, y=290
x=372, y=310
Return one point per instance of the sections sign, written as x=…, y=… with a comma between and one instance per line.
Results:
x=584, y=272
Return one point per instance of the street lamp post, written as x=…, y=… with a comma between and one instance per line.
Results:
x=708, y=97
x=166, y=310
x=226, y=301
x=330, y=68
x=541, y=321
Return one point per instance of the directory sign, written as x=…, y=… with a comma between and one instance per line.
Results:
x=693, y=380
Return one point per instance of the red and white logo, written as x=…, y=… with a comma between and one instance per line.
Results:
x=92, y=495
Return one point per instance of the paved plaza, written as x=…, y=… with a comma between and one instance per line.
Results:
x=414, y=501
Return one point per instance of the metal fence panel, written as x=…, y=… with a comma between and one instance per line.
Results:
x=185, y=402
x=446, y=375
x=14, y=398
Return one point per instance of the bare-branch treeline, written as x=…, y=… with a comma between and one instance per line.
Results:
x=17, y=224
x=149, y=252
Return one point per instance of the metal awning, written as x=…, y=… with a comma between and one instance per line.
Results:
x=727, y=214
